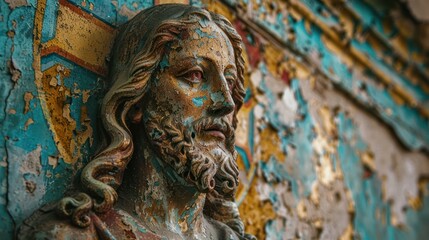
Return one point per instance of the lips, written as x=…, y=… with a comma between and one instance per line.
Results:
x=216, y=130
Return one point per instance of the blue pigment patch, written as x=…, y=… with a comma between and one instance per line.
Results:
x=217, y=96
x=199, y=101
x=49, y=20
x=203, y=34
x=164, y=63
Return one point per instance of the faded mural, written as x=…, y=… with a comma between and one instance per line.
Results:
x=333, y=136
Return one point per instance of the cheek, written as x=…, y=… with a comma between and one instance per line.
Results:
x=195, y=103
x=172, y=96
x=180, y=100
x=161, y=100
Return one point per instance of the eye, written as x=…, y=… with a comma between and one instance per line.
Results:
x=194, y=76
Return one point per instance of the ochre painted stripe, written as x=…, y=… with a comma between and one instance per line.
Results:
x=157, y=2
x=81, y=38
x=87, y=16
x=94, y=68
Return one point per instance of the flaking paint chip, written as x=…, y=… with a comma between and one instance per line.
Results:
x=28, y=96
x=28, y=123
x=53, y=161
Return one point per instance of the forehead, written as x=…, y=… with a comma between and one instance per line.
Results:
x=208, y=42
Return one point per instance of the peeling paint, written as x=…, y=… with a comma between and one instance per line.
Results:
x=28, y=96
x=29, y=188
x=16, y=73
x=28, y=123
x=217, y=97
x=314, y=162
x=199, y=101
x=16, y=3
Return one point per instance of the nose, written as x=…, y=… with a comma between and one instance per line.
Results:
x=222, y=101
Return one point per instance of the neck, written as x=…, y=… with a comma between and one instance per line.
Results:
x=164, y=203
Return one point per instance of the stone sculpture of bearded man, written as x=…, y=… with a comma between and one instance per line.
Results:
x=168, y=168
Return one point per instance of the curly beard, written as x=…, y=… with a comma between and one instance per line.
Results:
x=211, y=169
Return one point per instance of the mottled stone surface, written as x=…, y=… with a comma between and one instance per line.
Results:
x=168, y=166
x=333, y=136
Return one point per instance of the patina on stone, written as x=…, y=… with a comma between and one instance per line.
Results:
x=168, y=168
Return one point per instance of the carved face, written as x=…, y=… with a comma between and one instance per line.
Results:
x=196, y=78
x=190, y=109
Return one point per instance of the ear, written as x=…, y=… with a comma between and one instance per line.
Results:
x=135, y=114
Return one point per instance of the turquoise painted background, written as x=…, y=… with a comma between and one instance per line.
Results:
x=333, y=137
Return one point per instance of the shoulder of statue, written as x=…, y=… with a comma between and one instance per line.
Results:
x=223, y=231
x=123, y=225
x=46, y=224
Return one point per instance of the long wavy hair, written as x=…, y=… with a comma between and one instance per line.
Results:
x=138, y=50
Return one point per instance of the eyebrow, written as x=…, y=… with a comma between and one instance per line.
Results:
x=229, y=67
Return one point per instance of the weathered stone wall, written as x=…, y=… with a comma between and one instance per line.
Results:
x=333, y=137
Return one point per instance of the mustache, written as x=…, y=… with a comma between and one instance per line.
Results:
x=219, y=124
